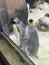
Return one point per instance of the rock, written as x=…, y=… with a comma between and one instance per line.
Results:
x=17, y=8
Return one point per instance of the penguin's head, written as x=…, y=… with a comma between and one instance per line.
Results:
x=31, y=22
x=13, y=20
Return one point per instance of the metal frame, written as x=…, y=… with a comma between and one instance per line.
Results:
x=18, y=49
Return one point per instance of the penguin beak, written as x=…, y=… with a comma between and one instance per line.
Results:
x=14, y=20
x=31, y=23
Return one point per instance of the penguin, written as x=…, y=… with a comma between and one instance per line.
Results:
x=18, y=28
x=30, y=42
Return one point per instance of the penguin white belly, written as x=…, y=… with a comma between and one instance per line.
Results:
x=17, y=34
x=30, y=42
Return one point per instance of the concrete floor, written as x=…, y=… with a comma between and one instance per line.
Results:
x=43, y=52
x=10, y=53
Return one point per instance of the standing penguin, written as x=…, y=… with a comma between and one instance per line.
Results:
x=18, y=26
x=30, y=43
